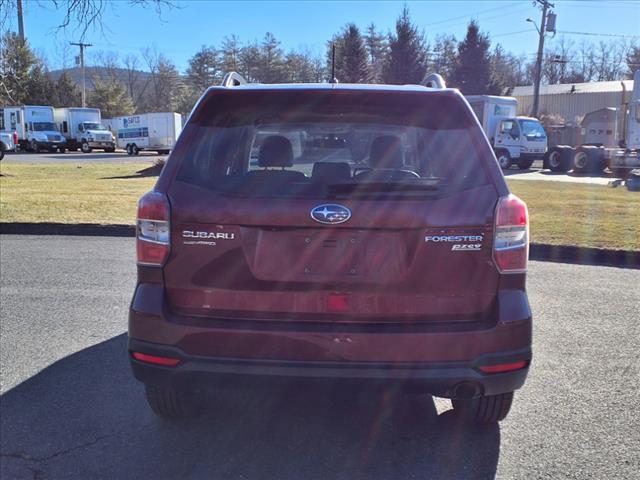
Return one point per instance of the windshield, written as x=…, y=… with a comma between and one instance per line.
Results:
x=532, y=128
x=44, y=127
x=93, y=126
x=319, y=146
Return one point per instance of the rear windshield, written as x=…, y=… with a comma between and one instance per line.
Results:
x=331, y=144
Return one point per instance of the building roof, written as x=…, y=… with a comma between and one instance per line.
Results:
x=591, y=87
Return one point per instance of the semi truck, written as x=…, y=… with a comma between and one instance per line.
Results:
x=516, y=140
x=83, y=129
x=34, y=126
x=606, y=138
x=147, y=131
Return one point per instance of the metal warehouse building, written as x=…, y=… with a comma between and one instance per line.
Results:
x=572, y=101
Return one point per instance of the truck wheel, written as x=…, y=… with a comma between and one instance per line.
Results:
x=504, y=159
x=109, y=150
x=524, y=164
x=488, y=409
x=172, y=403
x=559, y=159
x=33, y=146
x=85, y=147
x=134, y=149
x=129, y=151
x=588, y=159
x=62, y=150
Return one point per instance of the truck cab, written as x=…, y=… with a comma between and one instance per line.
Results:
x=515, y=139
x=84, y=129
x=35, y=127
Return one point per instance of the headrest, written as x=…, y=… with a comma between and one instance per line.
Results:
x=327, y=172
x=276, y=151
x=386, y=152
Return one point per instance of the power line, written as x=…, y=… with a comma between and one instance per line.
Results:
x=502, y=7
x=599, y=34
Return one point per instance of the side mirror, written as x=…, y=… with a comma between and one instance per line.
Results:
x=81, y=128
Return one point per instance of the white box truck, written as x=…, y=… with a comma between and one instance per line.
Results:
x=83, y=129
x=515, y=140
x=35, y=127
x=147, y=131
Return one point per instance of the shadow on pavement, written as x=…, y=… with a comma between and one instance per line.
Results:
x=86, y=417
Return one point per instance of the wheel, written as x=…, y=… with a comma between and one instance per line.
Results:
x=171, y=403
x=588, y=159
x=33, y=146
x=1, y=153
x=109, y=150
x=524, y=164
x=504, y=159
x=129, y=150
x=62, y=150
x=85, y=147
x=488, y=409
x=558, y=159
x=134, y=149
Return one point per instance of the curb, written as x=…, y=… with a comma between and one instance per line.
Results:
x=537, y=251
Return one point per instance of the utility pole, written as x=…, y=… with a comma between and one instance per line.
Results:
x=538, y=73
x=82, y=47
x=20, y=20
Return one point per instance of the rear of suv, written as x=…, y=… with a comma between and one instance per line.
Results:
x=334, y=231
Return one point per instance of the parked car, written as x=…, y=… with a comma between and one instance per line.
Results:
x=83, y=129
x=7, y=142
x=267, y=249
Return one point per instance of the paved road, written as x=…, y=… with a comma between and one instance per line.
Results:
x=97, y=156
x=71, y=409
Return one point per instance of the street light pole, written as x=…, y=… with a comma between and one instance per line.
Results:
x=82, y=47
x=538, y=72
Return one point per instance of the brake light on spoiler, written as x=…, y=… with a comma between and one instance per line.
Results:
x=152, y=229
x=511, y=235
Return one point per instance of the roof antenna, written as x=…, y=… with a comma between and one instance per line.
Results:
x=333, y=64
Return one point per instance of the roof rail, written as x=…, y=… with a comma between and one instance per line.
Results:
x=434, y=80
x=233, y=79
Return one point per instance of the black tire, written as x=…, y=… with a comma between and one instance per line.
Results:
x=489, y=409
x=171, y=403
x=504, y=159
x=1, y=154
x=62, y=150
x=524, y=164
x=129, y=150
x=109, y=150
x=588, y=159
x=85, y=148
x=134, y=149
x=33, y=146
x=558, y=159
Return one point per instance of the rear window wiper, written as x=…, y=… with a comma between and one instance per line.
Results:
x=364, y=187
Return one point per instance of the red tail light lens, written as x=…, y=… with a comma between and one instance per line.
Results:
x=503, y=367
x=165, y=361
x=511, y=236
x=152, y=231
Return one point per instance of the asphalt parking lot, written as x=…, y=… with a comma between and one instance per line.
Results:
x=70, y=407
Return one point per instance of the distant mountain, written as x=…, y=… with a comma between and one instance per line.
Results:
x=102, y=74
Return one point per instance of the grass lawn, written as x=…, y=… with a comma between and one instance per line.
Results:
x=561, y=213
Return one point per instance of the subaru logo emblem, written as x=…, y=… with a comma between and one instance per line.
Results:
x=330, y=213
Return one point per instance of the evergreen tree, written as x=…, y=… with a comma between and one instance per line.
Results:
x=250, y=62
x=377, y=48
x=472, y=72
x=272, y=60
x=203, y=70
x=352, y=65
x=407, y=59
x=17, y=61
x=111, y=98
x=444, y=55
x=40, y=88
x=231, y=49
x=66, y=92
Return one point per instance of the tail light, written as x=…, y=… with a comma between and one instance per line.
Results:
x=152, y=231
x=511, y=236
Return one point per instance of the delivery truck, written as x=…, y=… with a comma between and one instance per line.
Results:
x=34, y=126
x=83, y=129
x=147, y=131
x=516, y=140
x=606, y=138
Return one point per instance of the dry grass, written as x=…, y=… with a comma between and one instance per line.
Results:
x=561, y=213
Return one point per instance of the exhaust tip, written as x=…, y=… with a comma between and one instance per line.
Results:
x=467, y=390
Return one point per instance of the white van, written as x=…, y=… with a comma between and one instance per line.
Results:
x=148, y=131
x=35, y=127
x=83, y=129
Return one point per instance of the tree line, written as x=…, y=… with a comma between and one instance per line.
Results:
x=151, y=81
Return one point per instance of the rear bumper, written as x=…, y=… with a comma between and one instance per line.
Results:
x=437, y=358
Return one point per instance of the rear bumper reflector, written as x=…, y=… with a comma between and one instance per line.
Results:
x=165, y=361
x=503, y=367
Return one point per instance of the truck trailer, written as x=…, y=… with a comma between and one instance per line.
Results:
x=34, y=126
x=515, y=140
x=607, y=138
x=83, y=129
x=147, y=131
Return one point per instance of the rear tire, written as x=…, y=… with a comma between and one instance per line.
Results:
x=588, y=159
x=482, y=410
x=134, y=149
x=558, y=159
x=33, y=146
x=129, y=151
x=524, y=164
x=62, y=150
x=85, y=147
x=172, y=403
x=504, y=159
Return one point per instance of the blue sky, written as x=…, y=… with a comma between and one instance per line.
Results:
x=181, y=31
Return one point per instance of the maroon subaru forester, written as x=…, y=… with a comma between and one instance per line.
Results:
x=361, y=232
